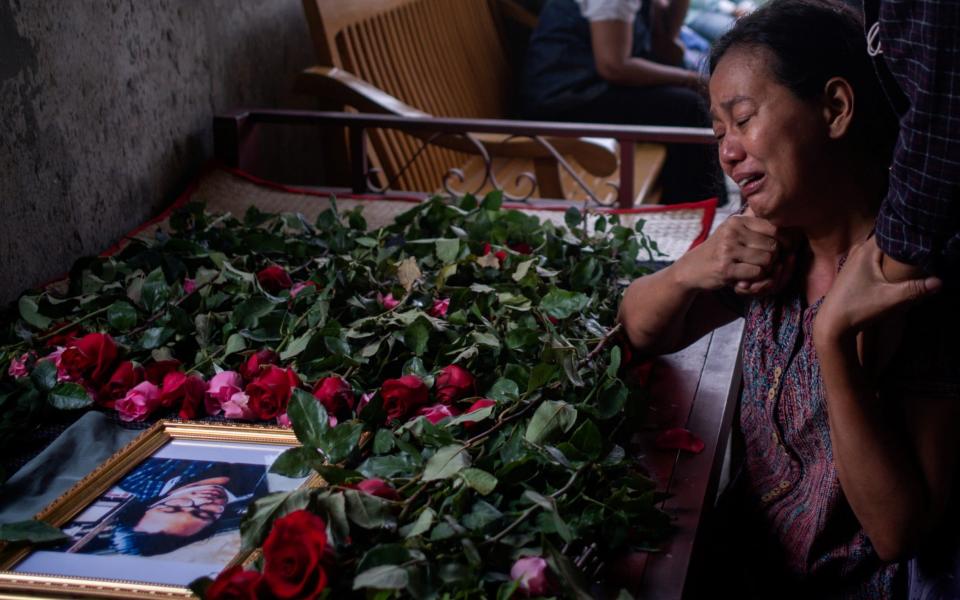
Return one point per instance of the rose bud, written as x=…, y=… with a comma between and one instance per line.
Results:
x=259, y=359
x=194, y=392
x=234, y=584
x=19, y=367
x=139, y=402
x=270, y=393
x=238, y=407
x=533, y=574
x=222, y=387
x=293, y=555
x=336, y=396
x=379, y=488
x=388, y=302
x=189, y=286
x=300, y=286
x=453, y=383
x=283, y=420
x=521, y=247
x=439, y=308
x=274, y=279
x=402, y=396
x=436, y=413
x=156, y=371
x=481, y=403
x=91, y=356
x=500, y=254
x=126, y=375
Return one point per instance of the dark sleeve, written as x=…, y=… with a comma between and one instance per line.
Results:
x=927, y=363
x=919, y=221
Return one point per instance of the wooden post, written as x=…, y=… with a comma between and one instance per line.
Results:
x=628, y=152
x=358, y=160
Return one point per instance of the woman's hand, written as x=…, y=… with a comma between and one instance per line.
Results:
x=861, y=294
x=745, y=252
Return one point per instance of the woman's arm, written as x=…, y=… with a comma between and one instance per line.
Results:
x=895, y=463
x=612, y=43
x=672, y=308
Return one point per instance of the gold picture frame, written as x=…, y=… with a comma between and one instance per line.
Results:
x=16, y=583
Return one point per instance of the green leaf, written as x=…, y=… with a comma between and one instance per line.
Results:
x=587, y=439
x=479, y=480
x=308, y=417
x=572, y=217
x=384, y=441
x=422, y=525
x=235, y=343
x=561, y=304
x=550, y=417
x=338, y=442
x=522, y=269
x=33, y=532
x=393, y=465
x=611, y=399
x=504, y=390
x=248, y=313
x=446, y=462
x=386, y=577
x=573, y=580
x=155, y=291
x=492, y=201
x=30, y=312
x=336, y=508
x=69, y=396
x=122, y=316
x=335, y=475
x=541, y=375
x=417, y=335
x=295, y=462
x=447, y=250
x=369, y=512
x=156, y=337
x=44, y=375
x=485, y=339
x=614, y=365
x=296, y=346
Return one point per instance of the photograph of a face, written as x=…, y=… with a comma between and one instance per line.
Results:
x=174, y=517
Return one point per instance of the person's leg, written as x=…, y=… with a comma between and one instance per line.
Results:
x=691, y=171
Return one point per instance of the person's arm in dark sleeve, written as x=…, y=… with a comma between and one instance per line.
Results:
x=919, y=222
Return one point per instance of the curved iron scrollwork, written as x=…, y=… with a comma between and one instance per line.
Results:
x=456, y=176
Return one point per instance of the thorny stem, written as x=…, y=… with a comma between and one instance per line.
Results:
x=74, y=323
x=602, y=344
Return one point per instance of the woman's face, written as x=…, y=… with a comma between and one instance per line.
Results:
x=771, y=143
x=186, y=510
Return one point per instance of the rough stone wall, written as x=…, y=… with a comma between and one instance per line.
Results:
x=106, y=109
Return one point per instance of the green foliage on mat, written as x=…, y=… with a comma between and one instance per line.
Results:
x=475, y=409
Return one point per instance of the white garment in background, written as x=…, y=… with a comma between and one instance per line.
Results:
x=609, y=10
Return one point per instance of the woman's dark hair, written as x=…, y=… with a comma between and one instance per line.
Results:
x=812, y=41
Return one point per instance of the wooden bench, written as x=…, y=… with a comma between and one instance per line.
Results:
x=447, y=58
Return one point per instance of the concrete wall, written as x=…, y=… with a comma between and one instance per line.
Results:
x=106, y=110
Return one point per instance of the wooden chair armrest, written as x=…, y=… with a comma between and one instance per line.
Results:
x=332, y=83
x=598, y=156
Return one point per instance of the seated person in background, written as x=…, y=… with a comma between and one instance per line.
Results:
x=848, y=452
x=620, y=61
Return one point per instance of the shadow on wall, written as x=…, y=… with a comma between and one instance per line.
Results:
x=107, y=113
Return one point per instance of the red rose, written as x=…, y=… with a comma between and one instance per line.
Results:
x=481, y=403
x=336, y=396
x=379, y=488
x=274, y=279
x=454, y=383
x=439, y=308
x=91, y=356
x=64, y=338
x=521, y=247
x=234, y=584
x=270, y=393
x=250, y=370
x=127, y=375
x=402, y=396
x=500, y=254
x=156, y=371
x=292, y=554
x=195, y=391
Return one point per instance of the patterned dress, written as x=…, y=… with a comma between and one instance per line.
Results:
x=787, y=493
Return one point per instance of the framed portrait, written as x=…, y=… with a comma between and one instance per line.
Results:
x=161, y=512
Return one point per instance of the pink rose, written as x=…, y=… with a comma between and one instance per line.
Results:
x=18, y=366
x=189, y=286
x=140, y=401
x=222, y=387
x=533, y=574
x=388, y=301
x=284, y=421
x=126, y=375
x=300, y=286
x=364, y=401
x=56, y=357
x=436, y=413
x=236, y=407
x=439, y=308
